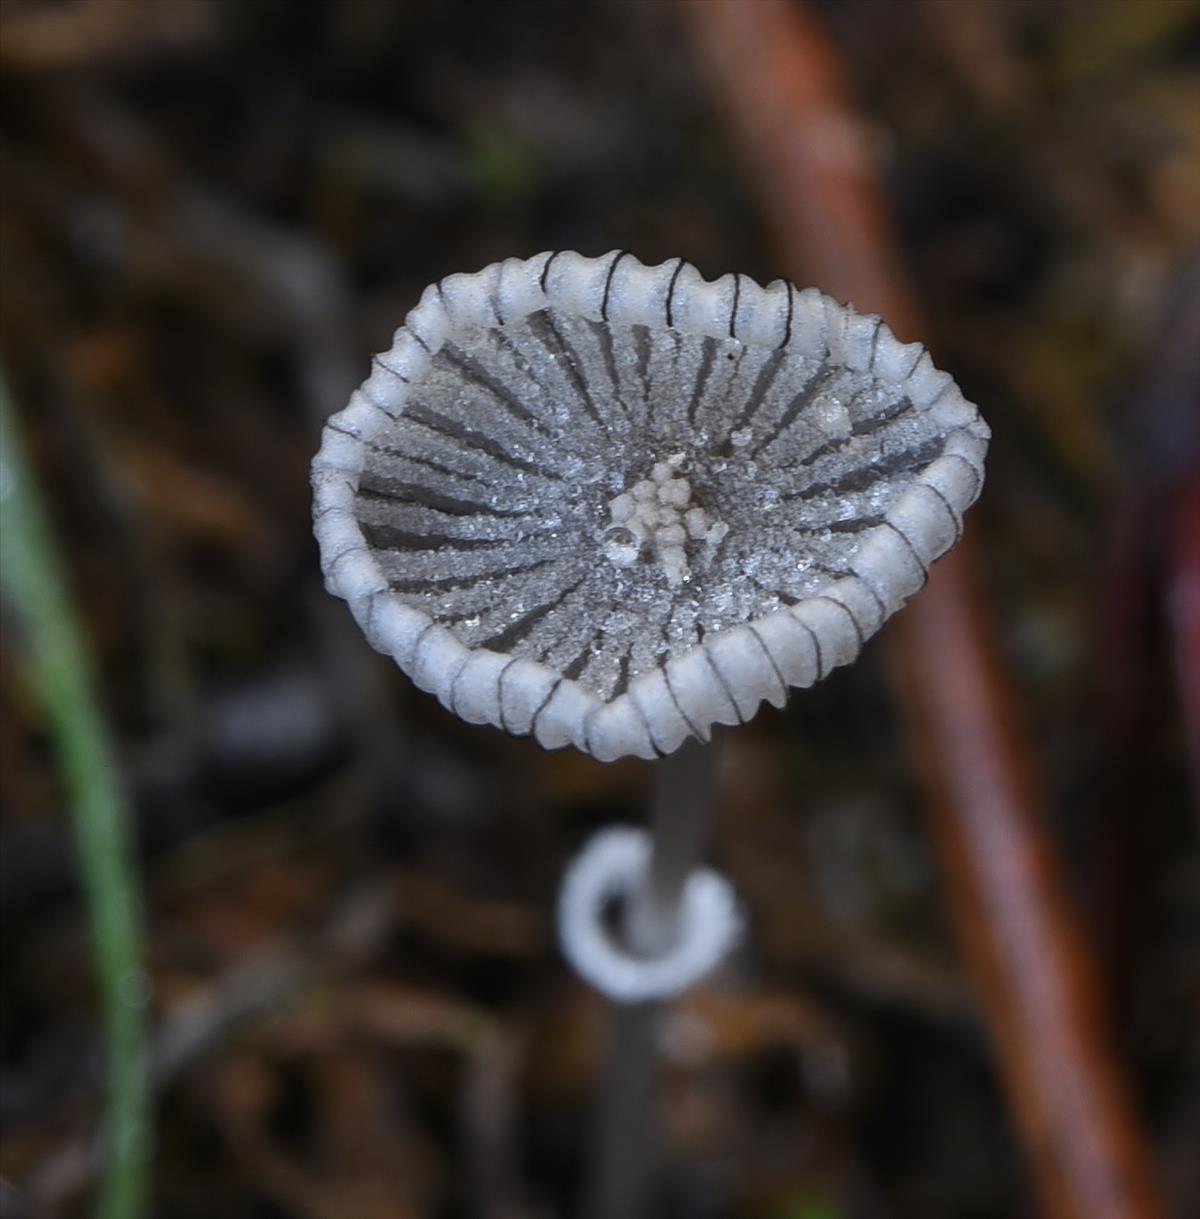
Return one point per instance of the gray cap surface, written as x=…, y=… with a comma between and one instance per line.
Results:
x=610, y=505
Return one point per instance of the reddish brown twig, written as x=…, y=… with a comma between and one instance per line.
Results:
x=1183, y=610
x=779, y=81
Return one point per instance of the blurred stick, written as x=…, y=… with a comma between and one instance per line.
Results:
x=138, y=211
x=51, y=37
x=1171, y=473
x=1183, y=612
x=778, y=78
x=33, y=584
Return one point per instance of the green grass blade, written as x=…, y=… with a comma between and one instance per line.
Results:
x=32, y=582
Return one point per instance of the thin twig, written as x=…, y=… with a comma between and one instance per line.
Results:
x=1183, y=614
x=780, y=82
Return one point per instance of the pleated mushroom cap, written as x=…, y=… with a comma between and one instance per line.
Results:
x=611, y=504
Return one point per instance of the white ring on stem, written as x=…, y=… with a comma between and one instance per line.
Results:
x=606, y=871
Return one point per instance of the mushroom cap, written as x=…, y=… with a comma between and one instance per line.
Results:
x=610, y=504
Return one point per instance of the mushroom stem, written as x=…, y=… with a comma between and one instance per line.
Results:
x=625, y=1135
x=681, y=821
x=680, y=826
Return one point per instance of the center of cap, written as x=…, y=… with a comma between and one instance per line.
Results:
x=656, y=518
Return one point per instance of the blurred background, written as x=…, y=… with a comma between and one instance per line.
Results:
x=212, y=213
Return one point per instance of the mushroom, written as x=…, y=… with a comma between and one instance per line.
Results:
x=612, y=505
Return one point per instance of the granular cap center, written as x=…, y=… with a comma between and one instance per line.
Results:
x=659, y=520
